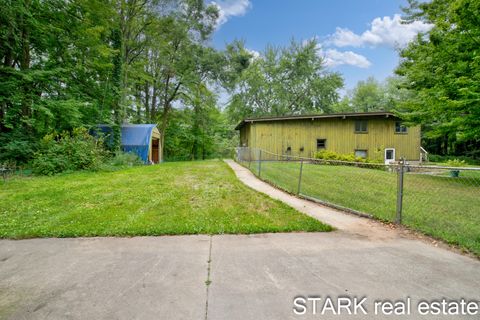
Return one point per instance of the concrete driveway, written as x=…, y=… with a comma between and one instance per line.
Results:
x=233, y=276
x=252, y=277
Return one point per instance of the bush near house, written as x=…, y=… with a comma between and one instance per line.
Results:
x=331, y=155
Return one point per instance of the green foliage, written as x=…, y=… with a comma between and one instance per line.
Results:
x=284, y=81
x=368, y=96
x=199, y=134
x=68, y=152
x=55, y=61
x=455, y=163
x=16, y=146
x=371, y=95
x=332, y=155
x=125, y=159
x=444, y=159
x=441, y=69
x=68, y=64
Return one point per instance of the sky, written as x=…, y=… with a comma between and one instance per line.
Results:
x=358, y=38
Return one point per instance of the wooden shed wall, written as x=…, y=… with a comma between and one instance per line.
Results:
x=276, y=136
x=155, y=135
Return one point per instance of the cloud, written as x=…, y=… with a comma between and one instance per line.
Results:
x=231, y=8
x=383, y=31
x=335, y=58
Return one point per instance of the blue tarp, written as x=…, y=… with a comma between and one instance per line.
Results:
x=135, y=138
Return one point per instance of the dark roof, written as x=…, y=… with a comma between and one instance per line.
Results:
x=315, y=116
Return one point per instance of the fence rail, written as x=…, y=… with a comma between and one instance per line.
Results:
x=441, y=201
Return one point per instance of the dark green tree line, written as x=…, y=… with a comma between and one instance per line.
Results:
x=68, y=64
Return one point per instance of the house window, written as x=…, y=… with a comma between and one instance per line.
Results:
x=399, y=127
x=361, y=126
x=361, y=154
x=321, y=143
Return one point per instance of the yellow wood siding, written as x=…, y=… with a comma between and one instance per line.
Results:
x=277, y=136
x=245, y=138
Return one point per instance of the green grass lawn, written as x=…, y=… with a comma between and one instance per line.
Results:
x=171, y=198
x=438, y=205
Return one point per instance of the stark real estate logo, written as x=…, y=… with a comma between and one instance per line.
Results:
x=327, y=305
x=346, y=305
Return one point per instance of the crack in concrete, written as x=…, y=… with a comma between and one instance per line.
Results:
x=208, y=281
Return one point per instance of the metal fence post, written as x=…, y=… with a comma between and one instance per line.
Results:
x=249, y=158
x=260, y=163
x=300, y=177
x=401, y=170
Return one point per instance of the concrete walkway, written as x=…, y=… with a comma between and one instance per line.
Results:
x=345, y=223
x=230, y=276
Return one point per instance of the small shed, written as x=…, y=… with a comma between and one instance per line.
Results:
x=142, y=139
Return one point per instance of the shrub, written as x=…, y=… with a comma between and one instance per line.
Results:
x=455, y=163
x=17, y=146
x=445, y=159
x=122, y=160
x=67, y=151
x=331, y=155
x=125, y=159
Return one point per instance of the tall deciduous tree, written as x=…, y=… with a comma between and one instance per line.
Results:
x=442, y=70
x=371, y=95
x=291, y=80
x=368, y=96
x=55, y=57
x=176, y=60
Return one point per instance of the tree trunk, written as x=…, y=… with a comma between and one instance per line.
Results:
x=116, y=84
x=146, y=102
x=153, y=107
x=163, y=129
x=138, y=102
x=25, y=61
x=166, y=111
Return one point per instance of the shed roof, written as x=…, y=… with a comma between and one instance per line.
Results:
x=315, y=116
x=137, y=134
x=132, y=134
x=135, y=137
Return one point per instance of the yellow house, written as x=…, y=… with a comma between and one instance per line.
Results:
x=373, y=135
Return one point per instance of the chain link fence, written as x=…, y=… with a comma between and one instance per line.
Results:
x=443, y=202
x=8, y=170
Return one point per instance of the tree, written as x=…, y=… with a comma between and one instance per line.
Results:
x=285, y=81
x=67, y=64
x=176, y=61
x=442, y=71
x=371, y=95
x=133, y=17
x=55, y=58
x=368, y=96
